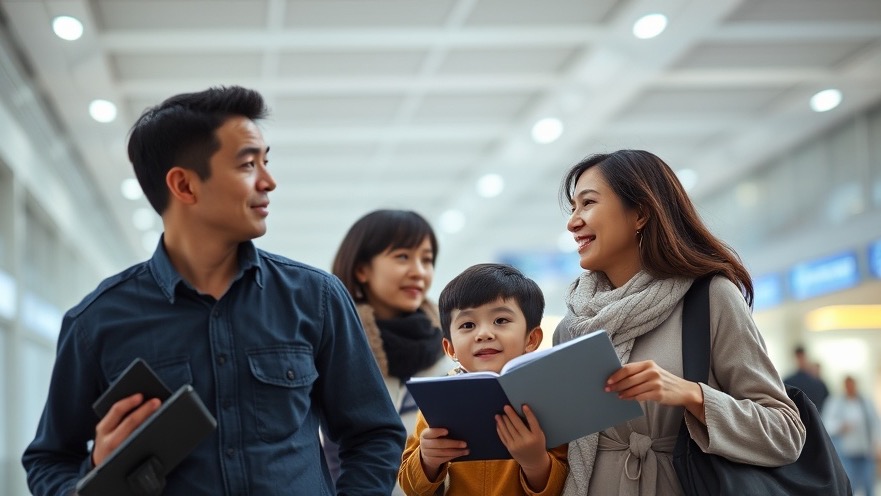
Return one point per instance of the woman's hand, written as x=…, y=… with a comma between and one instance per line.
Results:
x=646, y=381
x=435, y=450
x=526, y=443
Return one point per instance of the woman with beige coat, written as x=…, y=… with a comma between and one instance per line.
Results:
x=643, y=244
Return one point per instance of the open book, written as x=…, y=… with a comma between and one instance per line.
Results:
x=563, y=385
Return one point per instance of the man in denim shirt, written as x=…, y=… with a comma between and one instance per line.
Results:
x=271, y=346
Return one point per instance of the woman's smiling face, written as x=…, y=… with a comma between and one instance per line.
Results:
x=604, y=229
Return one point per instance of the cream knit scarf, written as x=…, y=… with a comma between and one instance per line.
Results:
x=625, y=313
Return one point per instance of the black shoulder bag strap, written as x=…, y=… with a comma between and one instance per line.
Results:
x=696, y=331
x=818, y=470
x=690, y=467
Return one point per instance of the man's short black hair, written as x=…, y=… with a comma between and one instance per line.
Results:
x=181, y=132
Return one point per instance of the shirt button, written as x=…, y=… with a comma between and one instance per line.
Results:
x=290, y=374
x=230, y=452
x=216, y=313
x=221, y=359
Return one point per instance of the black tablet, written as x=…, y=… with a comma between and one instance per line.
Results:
x=138, y=377
x=163, y=440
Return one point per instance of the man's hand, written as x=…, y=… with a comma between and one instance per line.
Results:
x=119, y=423
x=435, y=450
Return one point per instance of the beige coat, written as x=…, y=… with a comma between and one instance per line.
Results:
x=752, y=421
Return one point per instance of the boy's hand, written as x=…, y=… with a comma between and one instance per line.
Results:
x=526, y=443
x=435, y=450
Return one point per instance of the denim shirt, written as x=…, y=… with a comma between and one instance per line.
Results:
x=280, y=350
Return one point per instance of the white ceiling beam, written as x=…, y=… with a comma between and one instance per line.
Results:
x=346, y=84
x=409, y=39
x=490, y=84
x=310, y=40
x=459, y=133
x=821, y=31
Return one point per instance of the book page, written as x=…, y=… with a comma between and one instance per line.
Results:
x=565, y=389
x=467, y=375
x=525, y=358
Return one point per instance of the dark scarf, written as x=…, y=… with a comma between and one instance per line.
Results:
x=411, y=344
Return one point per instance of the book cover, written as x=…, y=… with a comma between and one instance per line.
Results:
x=563, y=385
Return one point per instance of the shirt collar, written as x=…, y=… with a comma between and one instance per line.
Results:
x=167, y=277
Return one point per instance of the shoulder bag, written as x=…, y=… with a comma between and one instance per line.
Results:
x=817, y=471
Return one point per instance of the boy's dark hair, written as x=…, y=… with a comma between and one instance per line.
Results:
x=181, y=132
x=484, y=283
x=376, y=233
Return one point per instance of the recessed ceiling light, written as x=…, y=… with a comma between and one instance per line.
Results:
x=825, y=100
x=131, y=190
x=547, y=130
x=144, y=219
x=490, y=185
x=688, y=178
x=102, y=110
x=649, y=26
x=67, y=28
x=452, y=221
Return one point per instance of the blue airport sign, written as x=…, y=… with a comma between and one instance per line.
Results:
x=875, y=258
x=767, y=291
x=825, y=275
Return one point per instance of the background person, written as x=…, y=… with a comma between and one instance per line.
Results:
x=491, y=313
x=269, y=344
x=807, y=378
x=852, y=421
x=386, y=262
x=642, y=244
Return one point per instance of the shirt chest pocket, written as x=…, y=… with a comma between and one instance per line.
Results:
x=283, y=381
x=174, y=372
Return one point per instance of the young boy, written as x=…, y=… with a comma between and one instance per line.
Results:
x=490, y=313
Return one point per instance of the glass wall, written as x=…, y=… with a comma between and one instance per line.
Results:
x=831, y=180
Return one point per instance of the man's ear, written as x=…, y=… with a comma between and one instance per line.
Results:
x=182, y=185
x=448, y=349
x=534, y=338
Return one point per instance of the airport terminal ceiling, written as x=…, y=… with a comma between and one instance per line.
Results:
x=415, y=104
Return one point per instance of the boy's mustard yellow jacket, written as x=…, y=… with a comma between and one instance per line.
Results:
x=475, y=478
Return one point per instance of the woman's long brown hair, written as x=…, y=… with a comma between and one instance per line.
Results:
x=675, y=242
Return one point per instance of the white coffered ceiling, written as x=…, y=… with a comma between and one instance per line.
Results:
x=407, y=103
